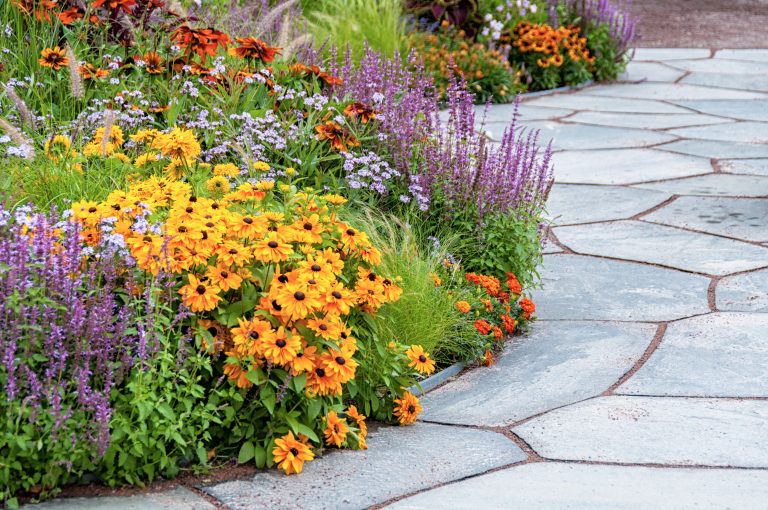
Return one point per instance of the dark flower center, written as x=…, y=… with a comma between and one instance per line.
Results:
x=272, y=244
x=294, y=451
x=320, y=372
x=312, y=281
x=224, y=274
x=200, y=289
x=298, y=295
x=340, y=360
x=315, y=268
x=92, y=210
x=336, y=294
x=350, y=232
x=213, y=331
x=411, y=409
x=247, y=220
x=323, y=327
x=280, y=343
x=343, y=335
x=209, y=224
x=193, y=199
x=254, y=335
x=423, y=358
x=276, y=306
x=233, y=251
x=307, y=226
x=372, y=277
x=182, y=229
x=189, y=209
x=282, y=278
x=147, y=239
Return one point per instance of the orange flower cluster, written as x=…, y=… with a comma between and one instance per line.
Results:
x=553, y=43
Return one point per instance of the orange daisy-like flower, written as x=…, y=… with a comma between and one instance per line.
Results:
x=336, y=429
x=238, y=375
x=272, y=249
x=420, y=360
x=320, y=382
x=90, y=72
x=339, y=138
x=359, y=419
x=339, y=364
x=199, y=296
x=224, y=278
x=488, y=359
x=339, y=300
x=328, y=328
x=254, y=49
x=203, y=41
x=55, y=58
x=407, y=408
x=290, y=454
x=360, y=111
x=297, y=301
x=69, y=16
x=304, y=361
x=281, y=348
x=250, y=336
x=114, y=5
x=153, y=63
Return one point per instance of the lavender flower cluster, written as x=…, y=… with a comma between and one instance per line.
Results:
x=65, y=338
x=621, y=24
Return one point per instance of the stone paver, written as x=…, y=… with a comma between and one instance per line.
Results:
x=577, y=288
x=559, y=486
x=651, y=71
x=753, y=82
x=625, y=166
x=742, y=110
x=671, y=92
x=741, y=218
x=646, y=120
x=753, y=55
x=723, y=185
x=570, y=204
x=720, y=65
x=584, y=101
x=558, y=363
x=745, y=166
x=654, y=430
x=750, y=132
x=716, y=149
x=399, y=460
x=666, y=246
x=571, y=136
x=175, y=499
x=664, y=54
x=744, y=292
x=716, y=355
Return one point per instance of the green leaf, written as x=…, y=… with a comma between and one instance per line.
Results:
x=260, y=455
x=303, y=429
x=247, y=452
x=267, y=397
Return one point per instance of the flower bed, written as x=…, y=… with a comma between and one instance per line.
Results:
x=216, y=248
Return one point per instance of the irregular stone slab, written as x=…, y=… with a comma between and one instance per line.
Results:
x=572, y=136
x=570, y=204
x=754, y=55
x=754, y=82
x=741, y=110
x=556, y=364
x=645, y=120
x=175, y=499
x=644, y=54
x=744, y=292
x=399, y=460
x=577, y=287
x=671, y=92
x=720, y=65
x=650, y=71
x=559, y=486
x=626, y=166
x=654, y=430
x=723, y=185
x=584, y=101
x=504, y=112
x=714, y=149
x=747, y=132
x=745, y=166
x=666, y=246
x=715, y=355
x=742, y=218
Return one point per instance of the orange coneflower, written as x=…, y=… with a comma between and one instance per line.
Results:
x=281, y=348
x=55, y=58
x=359, y=419
x=338, y=300
x=124, y=5
x=153, y=63
x=361, y=111
x=319, y=382
x=70, y=15
x=224, y=278
x=254, y=49
x=407, y=408
x=336, y=429
x=203, y=41
x=272, y=249
x=339, y=137
x=339, y=364
x=199, y=296
x=420, y=360
x=250, y=336
x=297, y=301
x=290, y=454
x=305, y=360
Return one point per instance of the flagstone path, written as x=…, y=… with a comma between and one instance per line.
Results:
x=645, y=383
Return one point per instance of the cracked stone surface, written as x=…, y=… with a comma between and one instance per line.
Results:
x=754, y=82
x=174, y=499
x=654, y=430
x=570, y=204
x=664, y=54
x=646, y=120
x=583, y=101
x=745, y=166
x=399, y=460
x=559, y=363
x=750, y=132
x=577, y=288
x=666, y=246
x=651, y=71
x=672, y=92
x=741, y=218
x=742, y=110
x=724, y=185
x=716, y=355
x=716, y=149
x=627, y=166
x=720, y=65
x=744, y=292
x=598, y=488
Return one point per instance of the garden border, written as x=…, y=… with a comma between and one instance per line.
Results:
x=433, y=381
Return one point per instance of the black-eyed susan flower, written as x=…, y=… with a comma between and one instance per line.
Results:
x=57, y=147
x=198, y=295
x=290, y=454
x=225, y=279
x=281, y=348
x=217, y=185
x=336, y=429
x=55, y=58
x=272, y=249
x=297, y=301
x=420, y=360
x=359, y=419
x=179, y=144
x=407, y=408
x=320, y=382
x=305, y=360
x=226, y=170
x=340, y=364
